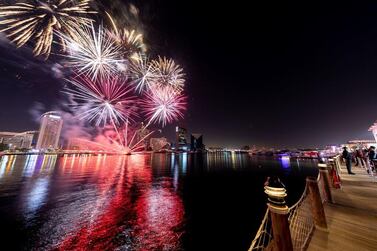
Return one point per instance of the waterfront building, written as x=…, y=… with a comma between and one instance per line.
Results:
x=353, y=144
x=215, y=149
x=18, y=140
x=49, y=132
x=197, y=142
x=181, y=138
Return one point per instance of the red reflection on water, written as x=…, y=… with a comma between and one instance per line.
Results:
x=159, y=218
x=140, y=213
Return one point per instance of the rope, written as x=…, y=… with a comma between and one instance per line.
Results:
x=300, y=200
x=301, y=222
x=264, y=235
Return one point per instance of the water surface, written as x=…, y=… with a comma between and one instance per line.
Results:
x=138, y=202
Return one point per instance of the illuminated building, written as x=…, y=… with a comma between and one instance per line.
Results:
x=49, y=132
x=181, y=141
x=17, y=139
x=353, y=144
x=197, y=142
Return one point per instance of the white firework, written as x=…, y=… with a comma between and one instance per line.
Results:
x=142, y=73
x=39, y=20
x=92, y=53
x=168, y=73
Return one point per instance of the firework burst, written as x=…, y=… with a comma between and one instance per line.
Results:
x=168, y=73
x=40, y=19
x=104, y=101
x=142, y=74
x=163, y=105
x=131, y=41
x=92, y=53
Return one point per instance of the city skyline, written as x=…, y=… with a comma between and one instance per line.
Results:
x=273, y=82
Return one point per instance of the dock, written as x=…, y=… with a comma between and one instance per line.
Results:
x=352, y=219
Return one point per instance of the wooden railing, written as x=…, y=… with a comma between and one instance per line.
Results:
x=284, y=228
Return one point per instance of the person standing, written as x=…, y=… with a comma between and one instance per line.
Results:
x=372, y=156
x=348, y=158
x=354, y=156
x=372, y=153
x=360, y=156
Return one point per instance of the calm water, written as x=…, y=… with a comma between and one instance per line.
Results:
x=138, y=202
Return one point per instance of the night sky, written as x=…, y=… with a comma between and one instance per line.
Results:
x=279, y=75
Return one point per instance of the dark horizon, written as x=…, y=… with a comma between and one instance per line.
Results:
x=286, y=75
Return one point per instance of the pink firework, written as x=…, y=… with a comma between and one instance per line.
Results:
x=163, y=105
x=107, y=100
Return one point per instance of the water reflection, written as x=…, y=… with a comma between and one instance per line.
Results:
x=137, y=202
x=126, y=208
x=3, y=162
x=7, y=164
x=285, y=162
x=35, y=195
x=31, y=161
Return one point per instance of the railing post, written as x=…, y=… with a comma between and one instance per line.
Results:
x=318, y=211
x=334, y=171
x=325, y=177
x=279, y=218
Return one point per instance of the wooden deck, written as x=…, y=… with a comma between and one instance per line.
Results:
x=352, y=220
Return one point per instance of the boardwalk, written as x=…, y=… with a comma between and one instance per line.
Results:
x=352, y=220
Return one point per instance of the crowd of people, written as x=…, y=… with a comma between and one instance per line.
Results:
x=361, y=156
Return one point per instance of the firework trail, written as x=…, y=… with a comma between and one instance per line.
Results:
x=129, y=139
x=40, y=19
x=168, y=73
x=104, y=101
x=93, y=53
x=163, y=105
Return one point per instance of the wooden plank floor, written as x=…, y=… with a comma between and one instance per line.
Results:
x=352, y=220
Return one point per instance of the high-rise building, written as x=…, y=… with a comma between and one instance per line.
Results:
x=181, y=140
x=49, y=132
x=197, y=142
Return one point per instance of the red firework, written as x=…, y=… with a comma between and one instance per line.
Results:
x=107, y=100
x=163, y=104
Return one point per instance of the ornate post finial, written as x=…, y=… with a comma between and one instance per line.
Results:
x=276, y=192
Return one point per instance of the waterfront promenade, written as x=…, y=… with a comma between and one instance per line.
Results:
x=352, y=219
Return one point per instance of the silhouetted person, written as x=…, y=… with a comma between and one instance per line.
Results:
x=372, y=153
x=348, y=158
x=372, y=156
x=359, y=157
